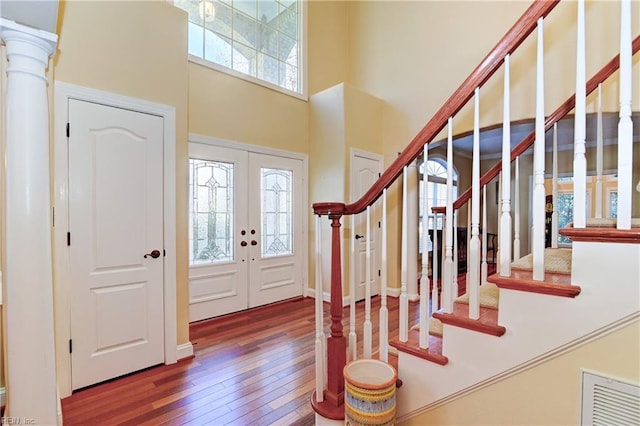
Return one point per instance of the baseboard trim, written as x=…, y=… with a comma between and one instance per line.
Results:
x=346, y=300
x=185, y=350
x=595, y=335
x=393, y=292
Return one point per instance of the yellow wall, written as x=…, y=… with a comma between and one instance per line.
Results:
x=135, y=49
x=410, y=55
x=341, y=118
x=548, y=394
x=227, y=107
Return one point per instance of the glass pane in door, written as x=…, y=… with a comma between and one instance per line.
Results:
x=210, y=211
x=277, y=212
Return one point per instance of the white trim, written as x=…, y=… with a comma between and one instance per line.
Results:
x=326, y=296
x=562, y=350
x=303, y=95
x=184, y=350
x=63, y=92
x=225, y=143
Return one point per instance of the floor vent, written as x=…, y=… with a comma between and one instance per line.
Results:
x=609, y=402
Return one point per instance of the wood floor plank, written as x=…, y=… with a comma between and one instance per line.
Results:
x=252, y=368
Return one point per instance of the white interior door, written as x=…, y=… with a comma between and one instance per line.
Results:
x=245, y=230
x=115, y=241
x=365, y=170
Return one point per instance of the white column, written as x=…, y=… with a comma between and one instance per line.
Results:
x=31, y=373
x=537, y=234
x=412, y=233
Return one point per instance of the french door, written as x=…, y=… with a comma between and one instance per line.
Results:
x=245, y=229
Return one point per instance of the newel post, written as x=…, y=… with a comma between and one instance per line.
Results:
x=332, y=406
x=337, y=343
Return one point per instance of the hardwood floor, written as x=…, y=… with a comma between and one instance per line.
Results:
x=252, y=368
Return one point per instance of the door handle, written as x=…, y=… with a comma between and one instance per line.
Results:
x=359, y=236
x=155, y=254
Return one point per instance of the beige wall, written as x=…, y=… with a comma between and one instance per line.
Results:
x=547, y=394
x=342, y=118
x=136, y=49
x=230, y=108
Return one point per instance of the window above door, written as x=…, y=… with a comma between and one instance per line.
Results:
x=257, y=40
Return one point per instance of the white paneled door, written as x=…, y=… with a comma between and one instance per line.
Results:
x=115, y=241
x=245, y=229
x=365, y=170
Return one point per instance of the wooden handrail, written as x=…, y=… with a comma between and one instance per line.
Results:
x=564, y=109
x=489, y=65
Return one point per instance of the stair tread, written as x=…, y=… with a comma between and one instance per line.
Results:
x=486, y=323
x=412, y=347
x=557, y=284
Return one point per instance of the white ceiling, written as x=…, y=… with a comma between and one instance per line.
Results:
x=39, y=14
x=491, y=139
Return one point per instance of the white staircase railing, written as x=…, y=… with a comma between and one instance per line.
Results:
x=439, y=290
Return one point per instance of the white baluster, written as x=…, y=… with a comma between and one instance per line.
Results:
x=538, y=165
x=434, y=266
x=353, y=339
x=625, y=125
x=447, y=269
x=554, y=189
x=320, y=337
x=516, y=212
x=504, y=240
x=384, y=312
x=466, y=277
x=580, y=131
x=483, y=266
x=404, y=299
x=424, y=278
x=599, y=157
x=474, y=248
x=368, y=332
x=412, y=232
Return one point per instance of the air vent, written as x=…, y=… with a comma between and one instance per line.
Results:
x=609, y=402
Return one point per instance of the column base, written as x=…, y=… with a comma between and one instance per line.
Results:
x=327, y=412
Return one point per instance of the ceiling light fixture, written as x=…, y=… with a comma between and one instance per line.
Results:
x=207, y=10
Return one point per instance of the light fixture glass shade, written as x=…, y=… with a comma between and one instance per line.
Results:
x=207, y=10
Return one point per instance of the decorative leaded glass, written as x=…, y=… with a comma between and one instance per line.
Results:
x=259, y=38
x=210, y=211
x=277, y=212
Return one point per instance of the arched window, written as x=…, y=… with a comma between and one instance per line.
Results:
x=436, y=172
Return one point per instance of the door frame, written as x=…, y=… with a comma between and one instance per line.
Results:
x=63, y=92
x=225, y=143
x=355, y=152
